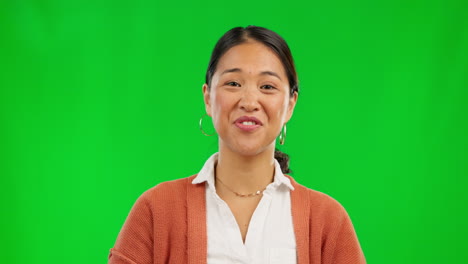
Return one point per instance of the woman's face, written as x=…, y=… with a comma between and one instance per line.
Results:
x=249, y=99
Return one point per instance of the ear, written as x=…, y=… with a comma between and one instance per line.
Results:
x=291, y=105
x=206, y=99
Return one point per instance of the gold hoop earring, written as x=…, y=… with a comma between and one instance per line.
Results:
x=201, y=126
x=282, y=135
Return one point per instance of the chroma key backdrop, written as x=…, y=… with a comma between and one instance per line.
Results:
x=100, y=101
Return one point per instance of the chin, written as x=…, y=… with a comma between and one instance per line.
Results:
x=250, y=149
x=248, y=152
x=247, y=146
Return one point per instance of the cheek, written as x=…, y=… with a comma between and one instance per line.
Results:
x=277, y=109
x=221, y=105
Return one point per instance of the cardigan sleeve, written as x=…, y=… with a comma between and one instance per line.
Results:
x=341, y=245
x=348, y=249
x=135, y=241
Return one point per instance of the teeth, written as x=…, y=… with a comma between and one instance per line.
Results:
x=248, y=123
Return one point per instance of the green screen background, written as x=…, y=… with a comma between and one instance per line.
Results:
x=100, y=101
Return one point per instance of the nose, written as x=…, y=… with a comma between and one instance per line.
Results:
x=249, y=100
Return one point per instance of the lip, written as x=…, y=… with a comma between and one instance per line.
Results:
x=248, y=128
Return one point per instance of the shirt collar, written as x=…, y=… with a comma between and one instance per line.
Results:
x=206, y=174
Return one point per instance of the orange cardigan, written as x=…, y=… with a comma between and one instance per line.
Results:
x=167, y=224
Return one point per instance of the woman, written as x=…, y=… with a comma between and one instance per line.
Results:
x=241, y=208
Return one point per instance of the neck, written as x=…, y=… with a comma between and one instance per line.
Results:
x=245, y=174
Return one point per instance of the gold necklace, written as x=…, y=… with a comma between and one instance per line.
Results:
x=240, y=194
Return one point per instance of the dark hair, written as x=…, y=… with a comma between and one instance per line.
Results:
x=239, y=35
x=276, y=43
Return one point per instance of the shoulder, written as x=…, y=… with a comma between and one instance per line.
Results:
x=170, y=193
x=173, y=185
x=319, y=203
x=326, y=220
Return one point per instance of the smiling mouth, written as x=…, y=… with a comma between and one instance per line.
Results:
x=248, y=124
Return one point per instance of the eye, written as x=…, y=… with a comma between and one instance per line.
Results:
x=236, y=84
x=267, y=87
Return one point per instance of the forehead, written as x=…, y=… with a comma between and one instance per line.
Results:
x=251, y=57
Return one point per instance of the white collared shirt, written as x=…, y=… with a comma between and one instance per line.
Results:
x=270, y=236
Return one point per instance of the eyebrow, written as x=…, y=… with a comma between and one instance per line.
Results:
x=262, y=73
x=270, y=73
x=231, y=70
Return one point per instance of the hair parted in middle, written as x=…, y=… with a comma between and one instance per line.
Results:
x=271, y=39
